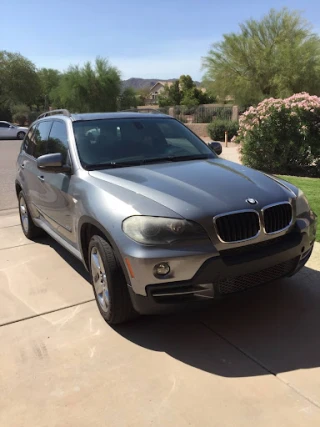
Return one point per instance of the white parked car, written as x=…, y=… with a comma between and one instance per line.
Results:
x=10, y=131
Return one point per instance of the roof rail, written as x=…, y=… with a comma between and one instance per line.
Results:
x=142, y=110
x=62, y=111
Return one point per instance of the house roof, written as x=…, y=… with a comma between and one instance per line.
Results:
x=163, y=83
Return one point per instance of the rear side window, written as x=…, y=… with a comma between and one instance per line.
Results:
x=35, y=142
x=58, y=139
x=40, y=138
x=28, y=144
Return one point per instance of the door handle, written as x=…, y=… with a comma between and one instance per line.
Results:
x=41, y=178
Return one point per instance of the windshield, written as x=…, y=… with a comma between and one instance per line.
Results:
x=124, y=142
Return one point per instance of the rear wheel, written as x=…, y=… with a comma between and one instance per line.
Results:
x=21, y=135
x=109, y=283
x=29, y=229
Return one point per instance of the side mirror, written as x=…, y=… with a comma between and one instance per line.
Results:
x=216, y=147
x=53, y=163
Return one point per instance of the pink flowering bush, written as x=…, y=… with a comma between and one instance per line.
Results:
x=282, y=135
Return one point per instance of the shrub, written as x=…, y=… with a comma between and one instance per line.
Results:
x=217, y=128
x=20, y=113
x=33, y=115
x=20, y=118
x=282, y=135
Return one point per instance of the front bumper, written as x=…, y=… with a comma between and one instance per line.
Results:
x=226, y=272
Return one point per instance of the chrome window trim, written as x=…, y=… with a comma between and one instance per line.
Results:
x=271, y=206
x=234, y=213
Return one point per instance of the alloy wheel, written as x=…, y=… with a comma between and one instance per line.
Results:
x=99, y=278
x=24, y=214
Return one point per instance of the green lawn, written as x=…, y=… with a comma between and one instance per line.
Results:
x=311, y=188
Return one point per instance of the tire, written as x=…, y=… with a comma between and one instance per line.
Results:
x=29, y=229
x=109, y=283
x=21, y=135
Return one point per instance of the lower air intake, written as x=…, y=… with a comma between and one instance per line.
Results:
x=250, y=280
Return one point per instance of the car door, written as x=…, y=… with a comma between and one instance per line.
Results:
x=56, y=202
x=5, y=130
x=34, y=145
x=27, y=170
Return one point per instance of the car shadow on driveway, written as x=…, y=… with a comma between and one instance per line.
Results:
x=75, y=263
x=275, y=325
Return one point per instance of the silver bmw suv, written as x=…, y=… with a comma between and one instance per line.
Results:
x=158, y=219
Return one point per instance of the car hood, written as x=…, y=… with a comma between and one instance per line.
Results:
x=196, y=188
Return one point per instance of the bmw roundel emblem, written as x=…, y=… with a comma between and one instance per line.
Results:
x=252, y=201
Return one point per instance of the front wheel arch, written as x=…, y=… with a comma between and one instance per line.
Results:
x=87, y=228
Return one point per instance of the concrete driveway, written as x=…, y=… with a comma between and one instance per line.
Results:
x=253, y=360
x=9, y=150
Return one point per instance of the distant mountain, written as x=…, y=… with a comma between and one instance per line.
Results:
x=138, y=83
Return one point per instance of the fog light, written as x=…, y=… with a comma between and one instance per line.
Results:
x=161, y=269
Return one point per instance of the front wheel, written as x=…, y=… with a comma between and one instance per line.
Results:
x=21, y=135
x=109, y=283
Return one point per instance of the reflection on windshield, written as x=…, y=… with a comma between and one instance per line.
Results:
x=118, y=142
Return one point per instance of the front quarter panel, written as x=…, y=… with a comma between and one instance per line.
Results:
x=107, y=205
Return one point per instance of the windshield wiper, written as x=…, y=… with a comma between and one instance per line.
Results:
x=109, y=165
x=176, y=158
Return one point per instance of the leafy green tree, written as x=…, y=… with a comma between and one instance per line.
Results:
x=5, y=113
x=171, y=95
x=274, y=57
x=186, y=83
x=175, y=93
x=184, y=92
x=49, y=82
x=19, y=81
x=190, y=97
x=89, y=88
x=128, y=99
x=205, y=97
x=142, y=95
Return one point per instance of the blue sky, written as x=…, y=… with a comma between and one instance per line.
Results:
x=150, y=39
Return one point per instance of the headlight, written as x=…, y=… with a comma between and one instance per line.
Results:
x=150, y=230
x=302, y=204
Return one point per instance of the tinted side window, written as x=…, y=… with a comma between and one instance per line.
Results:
x=4, y=125
x=28, y=141
x=58, y=139
x=40, y=138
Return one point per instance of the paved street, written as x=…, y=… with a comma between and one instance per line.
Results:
x=8, y=156
x=249, y=361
